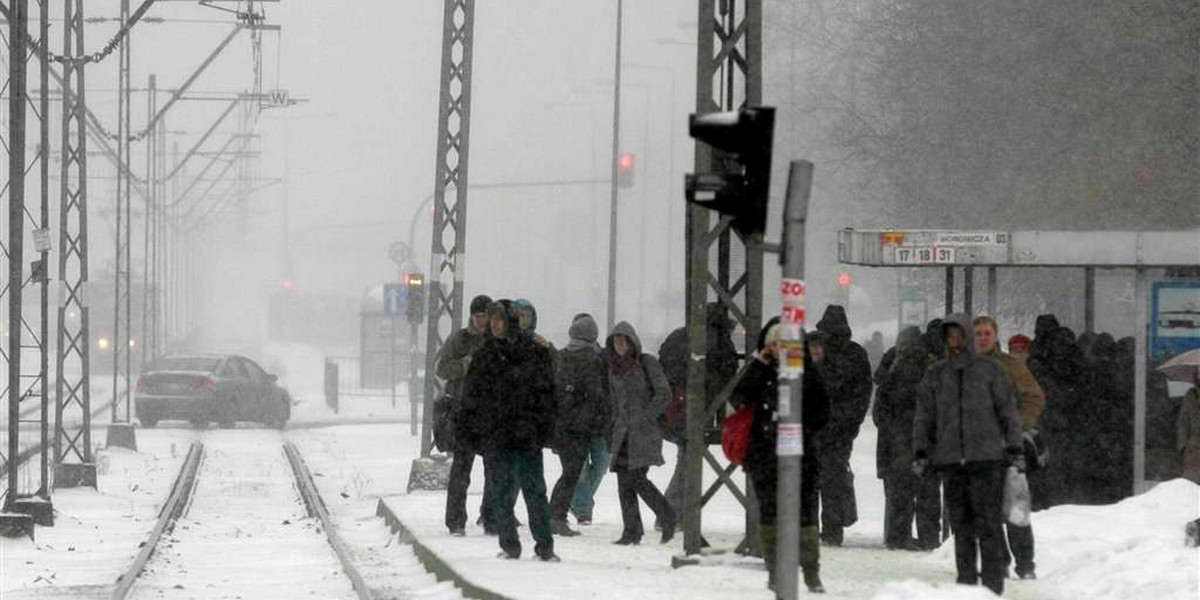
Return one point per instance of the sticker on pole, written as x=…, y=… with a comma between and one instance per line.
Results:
x=791, y=358
x=793, y=291
x=790, y=440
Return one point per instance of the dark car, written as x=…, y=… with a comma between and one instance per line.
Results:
x=225, y=389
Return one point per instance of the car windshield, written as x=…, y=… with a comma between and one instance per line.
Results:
x=186, y=363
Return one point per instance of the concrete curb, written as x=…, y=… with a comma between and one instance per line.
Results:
x=431, y=561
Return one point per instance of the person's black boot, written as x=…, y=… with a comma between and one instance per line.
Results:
x=561, y=529
x=628, y=539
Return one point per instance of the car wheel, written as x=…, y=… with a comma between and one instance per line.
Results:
x=199, y=423
x=149, y=422
x=228, y=417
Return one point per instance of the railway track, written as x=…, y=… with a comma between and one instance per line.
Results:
x=245, y=519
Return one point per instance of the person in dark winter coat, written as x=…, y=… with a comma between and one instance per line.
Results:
x=639, y=394
x=966, y=427
x=452, y=364
x=933, y=339
x=846, y=372
x=510, y=405
x=1108, y=422
x=720, y=366
x=1058, y=367
x=584, y=413
x=596, y=457
x=905, y=494
x=759, y=388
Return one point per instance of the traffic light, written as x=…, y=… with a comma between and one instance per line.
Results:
x=288, y=285
x=843, y=280
x=745, y=136
x=625, y=170
x=415, y=282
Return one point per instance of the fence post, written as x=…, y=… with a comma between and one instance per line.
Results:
x=331, y=385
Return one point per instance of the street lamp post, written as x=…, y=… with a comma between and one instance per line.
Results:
x=612, y=219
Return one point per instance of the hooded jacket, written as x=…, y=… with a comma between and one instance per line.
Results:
x=966, y=410
x=639, y=395
x=846, y=371
x=581, y=385
x=896, y=402
x=759, y=387
x=508, y=396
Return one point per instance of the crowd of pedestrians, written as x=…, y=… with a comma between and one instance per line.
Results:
x=953, y=412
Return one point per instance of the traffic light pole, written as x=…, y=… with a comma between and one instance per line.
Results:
x=729, y=44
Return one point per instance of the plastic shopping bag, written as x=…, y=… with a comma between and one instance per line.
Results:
x=1016, y=498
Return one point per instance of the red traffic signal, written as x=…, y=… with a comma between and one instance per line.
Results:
x=288, y=284
x=843, y=280
x=414, y=279
x=625, y=161
x=625, y=165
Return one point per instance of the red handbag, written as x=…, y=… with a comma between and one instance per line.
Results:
x=735, y=434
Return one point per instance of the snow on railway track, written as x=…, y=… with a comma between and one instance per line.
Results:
x=252, y=525
x=245, y=531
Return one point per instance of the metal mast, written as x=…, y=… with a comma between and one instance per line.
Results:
x=73, y=432
x=122, y=340
x=728, y=77
x=449, y=217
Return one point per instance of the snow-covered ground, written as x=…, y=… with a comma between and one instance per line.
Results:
x=1133, y=549
x=96, y=533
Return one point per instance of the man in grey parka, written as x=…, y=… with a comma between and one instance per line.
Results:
x=967, y=428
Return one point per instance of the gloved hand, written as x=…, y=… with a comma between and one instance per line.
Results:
x=919, y=466
x=1016, y=458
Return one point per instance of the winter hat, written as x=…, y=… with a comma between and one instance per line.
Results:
x=479, y=304
x=524, y=304
x=1019, y=341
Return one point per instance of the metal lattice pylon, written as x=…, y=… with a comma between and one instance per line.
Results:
x=447, y=260
x=73, y=430
x=25, y=356
x=728, y=77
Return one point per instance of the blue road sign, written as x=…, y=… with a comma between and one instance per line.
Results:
x=395, y=299
x=1174, y=318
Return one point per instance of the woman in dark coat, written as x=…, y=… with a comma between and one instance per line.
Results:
x=639, y=394
x=905, y=493
x=759, y=387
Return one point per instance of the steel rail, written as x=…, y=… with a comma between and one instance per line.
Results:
x=316, y=509
x=177, y=502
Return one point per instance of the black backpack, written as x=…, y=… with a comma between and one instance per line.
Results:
x=580, y=380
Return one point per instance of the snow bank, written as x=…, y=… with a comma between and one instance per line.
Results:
x=916, y=590
x=1132, y=549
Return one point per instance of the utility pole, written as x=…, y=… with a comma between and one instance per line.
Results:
x=790, y=429
x=612, y=205
x=728, y=78
x=121, y=432
x=18, y=43
x=73, y=465
x=445, y=287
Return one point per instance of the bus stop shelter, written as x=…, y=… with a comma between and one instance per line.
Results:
x=1139, y=251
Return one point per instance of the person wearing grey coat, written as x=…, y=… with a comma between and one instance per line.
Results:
x=967, y=428
x=639, y=393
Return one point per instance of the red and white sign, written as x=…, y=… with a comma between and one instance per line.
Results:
x=793, y=291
